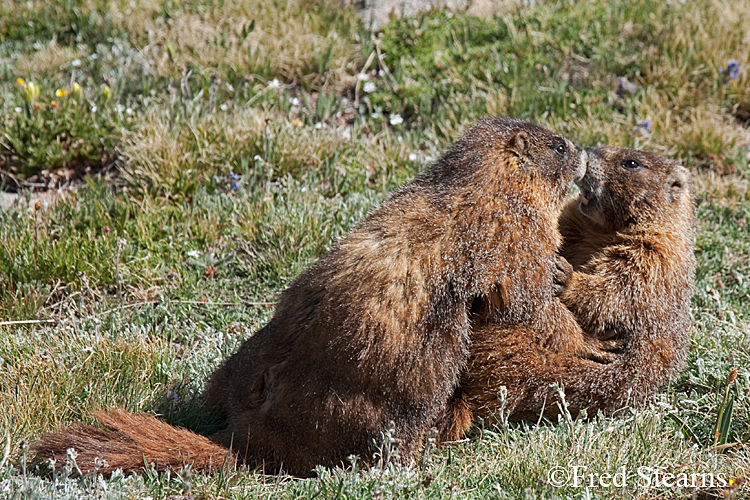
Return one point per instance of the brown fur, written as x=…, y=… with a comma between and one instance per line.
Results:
x=629, y=238
x=135, y=441
x=377, y=331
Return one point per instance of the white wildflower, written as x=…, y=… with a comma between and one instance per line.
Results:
x=274, y=84
x=369, y=87
x=194, y=254
x=412, y=156
x=396, y=119
x=294, y=101
x=76, y=63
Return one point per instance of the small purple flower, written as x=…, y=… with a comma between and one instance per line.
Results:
x=234, y=180
x=732, y=70
x=644, y=125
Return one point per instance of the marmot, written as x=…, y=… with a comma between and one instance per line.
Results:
x=376, y=333
x=630, y=239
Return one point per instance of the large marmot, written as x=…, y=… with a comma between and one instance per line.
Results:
x=376, y=333
x=630, y=238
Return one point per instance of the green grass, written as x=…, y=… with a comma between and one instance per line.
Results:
x=238, y=141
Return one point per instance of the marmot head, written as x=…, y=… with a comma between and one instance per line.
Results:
x=624, y=188
x=501, y=148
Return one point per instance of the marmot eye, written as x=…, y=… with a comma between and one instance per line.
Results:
x=631, y=165
x=561, y=149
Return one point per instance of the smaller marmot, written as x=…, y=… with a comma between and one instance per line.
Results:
x=376, y=333
x=630, y=240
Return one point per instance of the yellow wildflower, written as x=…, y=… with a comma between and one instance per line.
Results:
x=20, y=82
x=75, y=91
x=106, y=94
x=61, y=92
x=31, y=91
x=298, y=122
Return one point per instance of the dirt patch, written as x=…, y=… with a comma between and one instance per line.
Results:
x=379, y=11
x=49, y=186
x=27, y=199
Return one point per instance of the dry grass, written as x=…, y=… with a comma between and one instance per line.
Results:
x=162, y=153
x=696, y=112
x=724, y=189
x=49, y=60
x=288, y=39
x=288, y=36
x=696, y=47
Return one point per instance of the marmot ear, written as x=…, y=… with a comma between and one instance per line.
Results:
x=519, y=143
x=676, y=183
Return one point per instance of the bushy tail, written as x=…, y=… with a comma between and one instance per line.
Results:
x=132, y=443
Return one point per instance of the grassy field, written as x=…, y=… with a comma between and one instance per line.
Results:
x=209, y=151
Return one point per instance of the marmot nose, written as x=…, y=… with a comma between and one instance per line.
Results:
x=583, y=160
